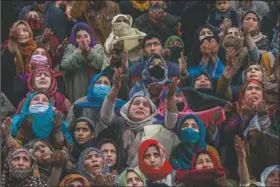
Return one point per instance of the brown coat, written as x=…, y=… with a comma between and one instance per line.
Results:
x=98, y=15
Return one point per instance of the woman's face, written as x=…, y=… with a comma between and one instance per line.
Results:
x=110, y=152
x=42, y=81
x=254, y=72
x=93, y=163
x=273, y=179
x=43, y=153
x=252, y=18
x=82, y=132
x=152, y=157
x=83, y=35
x=39, y=99
x=202, y=81
x=139, y=109
x=33, y=14
x=21, y=161
x=204, y=161
x=254, y=93
x=179, y=98
x=40, y=51
x=76, y=183
x=103, y=80
x=190, y=123
x=23, y=34
x=233, y=31
x=205, y=32
x=122, y=19
x=133, y=180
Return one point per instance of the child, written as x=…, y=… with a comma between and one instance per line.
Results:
x=223, y=14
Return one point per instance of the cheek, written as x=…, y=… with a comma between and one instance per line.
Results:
x=101, y=161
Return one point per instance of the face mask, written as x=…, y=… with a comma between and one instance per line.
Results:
x=156, y=72
x=34, y=23
x=121, y=29
x=101, y=90
x=38, y=108
x=189, y=136
x=180, y=106
x=175, y=52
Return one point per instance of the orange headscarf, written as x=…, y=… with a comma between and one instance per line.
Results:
x=74, y=177
x=22, y=50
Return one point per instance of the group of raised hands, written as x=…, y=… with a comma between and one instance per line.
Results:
x=209, y=48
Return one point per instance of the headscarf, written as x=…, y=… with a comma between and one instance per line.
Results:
x=183, y=154
x=80, y=165
x=202, y=175
x=147, y=77
x=12, y=177
x=42, y=124
x=81, y=119
x=123, y=31
x=58, y=98
x=122, y=178
x=29, y=67
x=151, y=173
x=143, y=6
x=267, y=171
x=195, y=56
x=22, y=50
x=259, y=39
x=135, y=127
x=172, y=39
x=120, y=159
x=96, y=101
x=72, y=178
x=81, y=26
x=243, y=89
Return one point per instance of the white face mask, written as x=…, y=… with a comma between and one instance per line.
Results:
x=38, y=108
x=122, y=29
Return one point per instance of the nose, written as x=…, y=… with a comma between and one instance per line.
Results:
x=109, y=154
x=21, y=32
x=20, y=163
x=80, y=133
x=204, y=165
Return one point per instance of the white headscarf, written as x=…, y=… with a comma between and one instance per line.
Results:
x=267, y=171
x=123, y=31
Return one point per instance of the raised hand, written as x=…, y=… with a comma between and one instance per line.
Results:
x=60, y=158
x=230, y=56
x=155, y=89
x=14, y=33
x=182, y=64
x=261, y=107
x=172, y=88
x=110, y=179
x=47, y=34
x=214, y=47
x=99, y=179
x=5, y=127
x=58, y=119
x=240, y=148
x=124, y=56
x=117, y=78
x=247, y=27
x=205, y=48
x=60, y=49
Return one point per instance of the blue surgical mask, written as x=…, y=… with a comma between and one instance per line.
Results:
x=38, y=108
x=100, y=90
x=189, y=136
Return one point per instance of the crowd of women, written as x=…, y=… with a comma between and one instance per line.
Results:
x=140, y=93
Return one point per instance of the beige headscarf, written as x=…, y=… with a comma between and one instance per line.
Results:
x=125, y=32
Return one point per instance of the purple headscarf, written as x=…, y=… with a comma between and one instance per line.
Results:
x=78, y=27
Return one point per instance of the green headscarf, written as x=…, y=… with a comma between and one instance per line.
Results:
x=172, y=39
x=122, y=177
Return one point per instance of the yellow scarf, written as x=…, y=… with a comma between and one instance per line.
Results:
x=140, y=6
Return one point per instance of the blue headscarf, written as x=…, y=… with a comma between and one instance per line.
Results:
x=182, y=156
x=80, y=166
x=96, y=101
x=42, y=124
x=202, y=72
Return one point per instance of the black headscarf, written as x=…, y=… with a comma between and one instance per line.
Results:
x=195, y=56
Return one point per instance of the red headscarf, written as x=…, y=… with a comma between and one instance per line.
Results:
x=58, y=99
x=151, y=173
x=201, y=175
x=243, y=89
